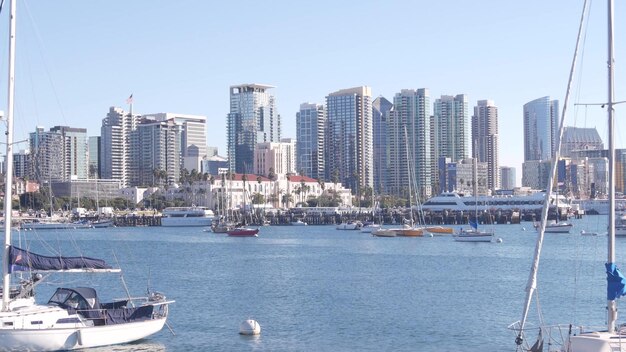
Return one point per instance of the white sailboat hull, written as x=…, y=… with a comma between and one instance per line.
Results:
x=41, y=328
x=474, y=236
x=75, y=338
x=597, y=342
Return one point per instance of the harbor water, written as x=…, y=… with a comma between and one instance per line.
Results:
x=316, y=288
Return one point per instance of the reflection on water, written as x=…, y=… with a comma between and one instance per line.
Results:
x=143, y=345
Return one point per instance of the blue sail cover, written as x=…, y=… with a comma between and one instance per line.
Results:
x=473, y=224
x=22, y=260
x=616, y=282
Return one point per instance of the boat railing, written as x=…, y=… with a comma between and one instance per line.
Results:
x=557, y=335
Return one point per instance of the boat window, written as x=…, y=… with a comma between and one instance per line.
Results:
x=68, y=321
x=7, y=323
x=60, y=296
x=36, y=322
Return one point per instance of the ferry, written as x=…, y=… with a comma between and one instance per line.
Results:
x=187, y=216
x=453, y=201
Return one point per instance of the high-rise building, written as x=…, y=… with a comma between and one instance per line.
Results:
x=253, y=119
x=117, y=142
x=485, y=140
x=21, y=163
x=193, y=137
x=279, y=157
x=348, y=150
x=411, y=164
x=381, y=109
x=576, y=138
x=159, y=149
x=310, y=122
x=94, y=156
x=75, y=152
x=507, y=177
x=451, y=125
x=540, y=128
x=59, y=154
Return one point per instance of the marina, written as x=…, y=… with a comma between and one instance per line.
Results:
x=355, y=291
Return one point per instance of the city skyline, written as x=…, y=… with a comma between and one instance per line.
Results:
x=509, y=53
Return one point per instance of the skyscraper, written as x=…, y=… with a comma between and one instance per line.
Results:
x=540, y=128
x=193, y=137
x=75, y=152
x=349, y=158
x=411, y=163
x=159, y=147
x=485, y=140
x=381, y=109
x=310, y=122
x=117, y=142
x=451, y=125
x=507, y=177
x=252, y=119
x=46, y=150
x=59, y=154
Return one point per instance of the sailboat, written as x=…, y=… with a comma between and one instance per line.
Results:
x=583, y=338
x=74, y=318
x=558, y=226
x=243, y=230
x=473, y=234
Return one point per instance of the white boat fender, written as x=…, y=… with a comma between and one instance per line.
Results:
x=250, y=327
x=430, y=234
x=499, y=240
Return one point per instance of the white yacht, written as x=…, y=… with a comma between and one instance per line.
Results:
x=453, y=201
x=187, y=216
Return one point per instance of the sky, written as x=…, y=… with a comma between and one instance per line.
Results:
x=76, y=59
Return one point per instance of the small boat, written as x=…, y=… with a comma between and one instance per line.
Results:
x=103, y=223
x=299, y=223
x=384, y=233
x=440, y=230
x=55, y=225
x=243, y=232
x=473, y=234
x=222, y=226
x=409, y=231
x=558, y=227
x=350, y=225
x=370, y=227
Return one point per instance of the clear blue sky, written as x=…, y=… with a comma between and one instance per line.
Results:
x=78, y=58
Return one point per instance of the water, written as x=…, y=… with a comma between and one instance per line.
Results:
x=315, y=288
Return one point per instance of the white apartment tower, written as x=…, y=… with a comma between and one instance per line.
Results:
x=485, y=140
x=310, y=122
x=117, y=140
x=349, y=138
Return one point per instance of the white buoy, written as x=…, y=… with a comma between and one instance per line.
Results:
x=499, y=240
x=523, y=229
x=249, y=327
x=430, y=234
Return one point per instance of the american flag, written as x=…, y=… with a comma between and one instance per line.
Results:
x=129, y=100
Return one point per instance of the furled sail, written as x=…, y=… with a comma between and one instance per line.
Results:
x=22, y=260
x=616, y=282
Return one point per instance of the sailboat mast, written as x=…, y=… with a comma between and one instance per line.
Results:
x=531, y=285
x=6, y=276
x=611, y=304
